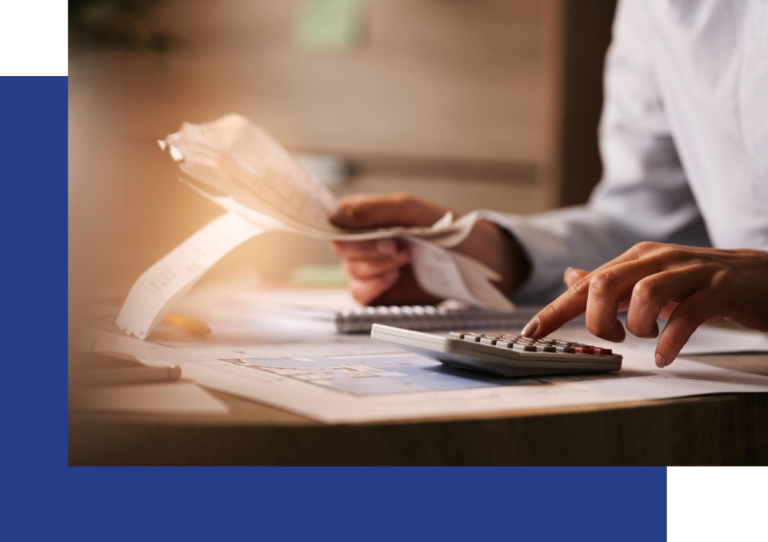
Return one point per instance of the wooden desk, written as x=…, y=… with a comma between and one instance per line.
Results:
x=727, y=429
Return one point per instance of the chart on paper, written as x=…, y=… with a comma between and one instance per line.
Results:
x=377, y=374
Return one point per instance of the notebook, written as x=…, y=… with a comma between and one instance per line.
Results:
x=414, y=317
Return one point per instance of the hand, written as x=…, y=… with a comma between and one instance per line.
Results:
x=687, y=286
x=379, y=272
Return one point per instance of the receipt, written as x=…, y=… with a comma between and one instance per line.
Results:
x=164, y=284
x=267, y=190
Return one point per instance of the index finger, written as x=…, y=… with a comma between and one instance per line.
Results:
x=571, y=303
x=368, y=212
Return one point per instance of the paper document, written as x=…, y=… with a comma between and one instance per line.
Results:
x=269, y=190
x=165, y=283
x=705, y=340
x=712, y=340
x=345, y=379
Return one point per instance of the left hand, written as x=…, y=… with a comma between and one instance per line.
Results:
x=688, y=286
x=379, y=272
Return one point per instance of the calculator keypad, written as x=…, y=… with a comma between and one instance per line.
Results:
x=527, y=344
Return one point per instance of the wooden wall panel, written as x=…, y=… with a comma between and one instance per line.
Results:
x=471, y=82
x=458, y=78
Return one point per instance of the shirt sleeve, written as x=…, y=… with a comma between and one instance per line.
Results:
x=644, y=193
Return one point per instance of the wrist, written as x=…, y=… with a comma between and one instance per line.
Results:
x=498, y=249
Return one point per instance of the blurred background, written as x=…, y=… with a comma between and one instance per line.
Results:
x=470, y=103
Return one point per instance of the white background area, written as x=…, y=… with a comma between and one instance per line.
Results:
x=33, y=38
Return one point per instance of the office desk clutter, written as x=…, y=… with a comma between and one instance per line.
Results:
x=267, y=190
x=337, y=378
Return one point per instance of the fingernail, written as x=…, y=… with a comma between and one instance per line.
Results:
x=567, y=276
x=661, y=361
x=530, y=328
x=387, y=247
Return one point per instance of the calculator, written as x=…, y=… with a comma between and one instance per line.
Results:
x=502, y=353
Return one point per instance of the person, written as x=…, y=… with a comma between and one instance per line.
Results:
x=678, y=226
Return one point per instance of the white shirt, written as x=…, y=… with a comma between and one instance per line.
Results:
x=683, y=139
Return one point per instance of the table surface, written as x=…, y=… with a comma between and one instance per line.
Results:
x=716, y=429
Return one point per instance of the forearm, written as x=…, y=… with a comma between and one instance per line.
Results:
x=547, y=244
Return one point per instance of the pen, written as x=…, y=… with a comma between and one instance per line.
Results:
x=105, y=377
x=152, y=370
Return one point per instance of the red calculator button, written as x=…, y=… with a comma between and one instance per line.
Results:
x=603, y=351
x=584, y=350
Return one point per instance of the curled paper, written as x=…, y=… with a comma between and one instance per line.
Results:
x=267, y=190
x=164, y=284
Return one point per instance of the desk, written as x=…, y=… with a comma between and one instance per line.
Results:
x=730, y=429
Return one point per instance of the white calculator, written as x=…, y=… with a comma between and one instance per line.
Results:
x=504, y=354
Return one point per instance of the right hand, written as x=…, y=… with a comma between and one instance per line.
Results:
x=379, y=272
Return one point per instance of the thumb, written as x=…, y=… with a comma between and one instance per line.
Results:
x=573, y=275
x=363, y=212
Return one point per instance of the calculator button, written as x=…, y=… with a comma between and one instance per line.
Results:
x=584, y=350
x=456, y=334
x=603, y=351
x=566, y=349
x=472, y=338
x=488, y=340
x=524, y=347
x=505, y=344
x=545, y=348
